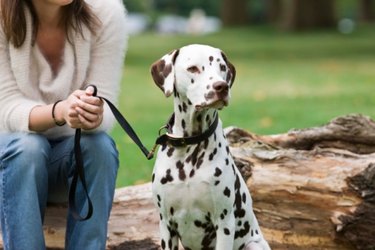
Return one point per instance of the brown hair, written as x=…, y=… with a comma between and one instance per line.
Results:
x=13, y=19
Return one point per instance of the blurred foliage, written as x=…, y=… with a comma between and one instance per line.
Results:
x=344, y=8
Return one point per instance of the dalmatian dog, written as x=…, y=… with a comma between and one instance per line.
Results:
x=203, y=201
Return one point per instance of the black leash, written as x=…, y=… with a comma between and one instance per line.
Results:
x=164, y=139
x=79, y=172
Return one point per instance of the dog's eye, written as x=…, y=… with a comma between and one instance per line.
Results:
x=223, y=67
x=193, y=69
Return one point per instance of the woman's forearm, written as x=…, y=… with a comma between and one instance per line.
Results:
x=41, y=117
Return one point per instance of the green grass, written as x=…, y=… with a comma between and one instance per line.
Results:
x=283, y=81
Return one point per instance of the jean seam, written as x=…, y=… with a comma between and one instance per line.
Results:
x=4, y=206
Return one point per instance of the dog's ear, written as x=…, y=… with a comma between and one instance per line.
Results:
x=162, y=72
x=231, y=75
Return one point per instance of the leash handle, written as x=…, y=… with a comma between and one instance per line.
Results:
x=79, y=172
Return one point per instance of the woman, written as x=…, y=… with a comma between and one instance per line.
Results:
x=49, y=51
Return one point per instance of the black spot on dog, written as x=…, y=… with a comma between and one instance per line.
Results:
x=200, y=160
x=217, y=183
x=183, y=124
x=170, y=151
x=243, y=231
x=172, y=211
x=192, y=80
x=153, y=177
x=181, y=171
x=211, y=157
x=192, y=172
x=217, y=172
x=227, y=192
x=184, y=107
x=167, y=178
x=226, y=231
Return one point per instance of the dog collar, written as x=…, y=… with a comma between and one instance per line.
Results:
x=168, y=139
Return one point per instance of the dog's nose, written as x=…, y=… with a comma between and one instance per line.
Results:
x=220, y=86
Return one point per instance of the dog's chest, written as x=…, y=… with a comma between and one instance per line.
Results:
x=193, y=176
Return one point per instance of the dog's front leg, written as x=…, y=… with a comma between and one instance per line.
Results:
x=225, y=233
x=169, y=238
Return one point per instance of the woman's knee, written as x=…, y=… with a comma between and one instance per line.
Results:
x=31, y=145
x=100, y=148
x=25, y=156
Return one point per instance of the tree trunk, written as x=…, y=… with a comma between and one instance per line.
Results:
x=307, y=14
x=312, y=189
x=234, y=12
x=273, y=10
x=366, y=10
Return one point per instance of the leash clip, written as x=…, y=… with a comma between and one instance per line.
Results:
x=152, y=152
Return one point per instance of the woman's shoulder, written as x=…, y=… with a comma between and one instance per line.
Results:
x=109, y=12
x=106, y=6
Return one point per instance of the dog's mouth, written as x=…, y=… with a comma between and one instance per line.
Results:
x=215, y=104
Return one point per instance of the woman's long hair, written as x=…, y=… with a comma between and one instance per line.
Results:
x=13, y=19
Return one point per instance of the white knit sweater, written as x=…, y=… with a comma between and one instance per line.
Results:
x=26, y=78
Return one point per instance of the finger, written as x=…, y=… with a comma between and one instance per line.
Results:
x=78, y=93
x=95, y=109
x=86, y=124
x=90, y=90
x=92, y=100
x=93, y=117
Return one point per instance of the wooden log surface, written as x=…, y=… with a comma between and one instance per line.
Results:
x=312, y=189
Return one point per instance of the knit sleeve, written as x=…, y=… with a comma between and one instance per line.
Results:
x=15, y=107
x=108, y=53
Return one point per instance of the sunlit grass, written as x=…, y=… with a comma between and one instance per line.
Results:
x=283, y=81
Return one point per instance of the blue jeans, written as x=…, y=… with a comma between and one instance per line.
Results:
x=34, y=170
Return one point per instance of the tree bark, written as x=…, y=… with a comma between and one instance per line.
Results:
x=234, y=12
x=307, y=14
x=366, y=10
x=273, y=10
x=312, y=189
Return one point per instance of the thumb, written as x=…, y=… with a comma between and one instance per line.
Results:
x=90, y=90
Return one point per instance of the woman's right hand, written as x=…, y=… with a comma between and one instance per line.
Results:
x=81, y=110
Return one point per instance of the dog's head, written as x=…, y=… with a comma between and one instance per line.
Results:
x=201, y=73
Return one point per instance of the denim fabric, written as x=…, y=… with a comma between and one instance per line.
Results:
x=34, y=170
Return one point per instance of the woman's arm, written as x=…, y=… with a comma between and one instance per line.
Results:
x=79, y=110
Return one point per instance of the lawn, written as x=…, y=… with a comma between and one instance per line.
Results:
x=284, y=81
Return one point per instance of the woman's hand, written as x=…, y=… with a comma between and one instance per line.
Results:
x=83, y=110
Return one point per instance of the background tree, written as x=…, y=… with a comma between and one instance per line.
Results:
x=366, y=10
x=234, y=12
x=307, y=14
x=273, y=10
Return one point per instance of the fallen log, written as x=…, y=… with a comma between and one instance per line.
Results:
x=312, y=189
